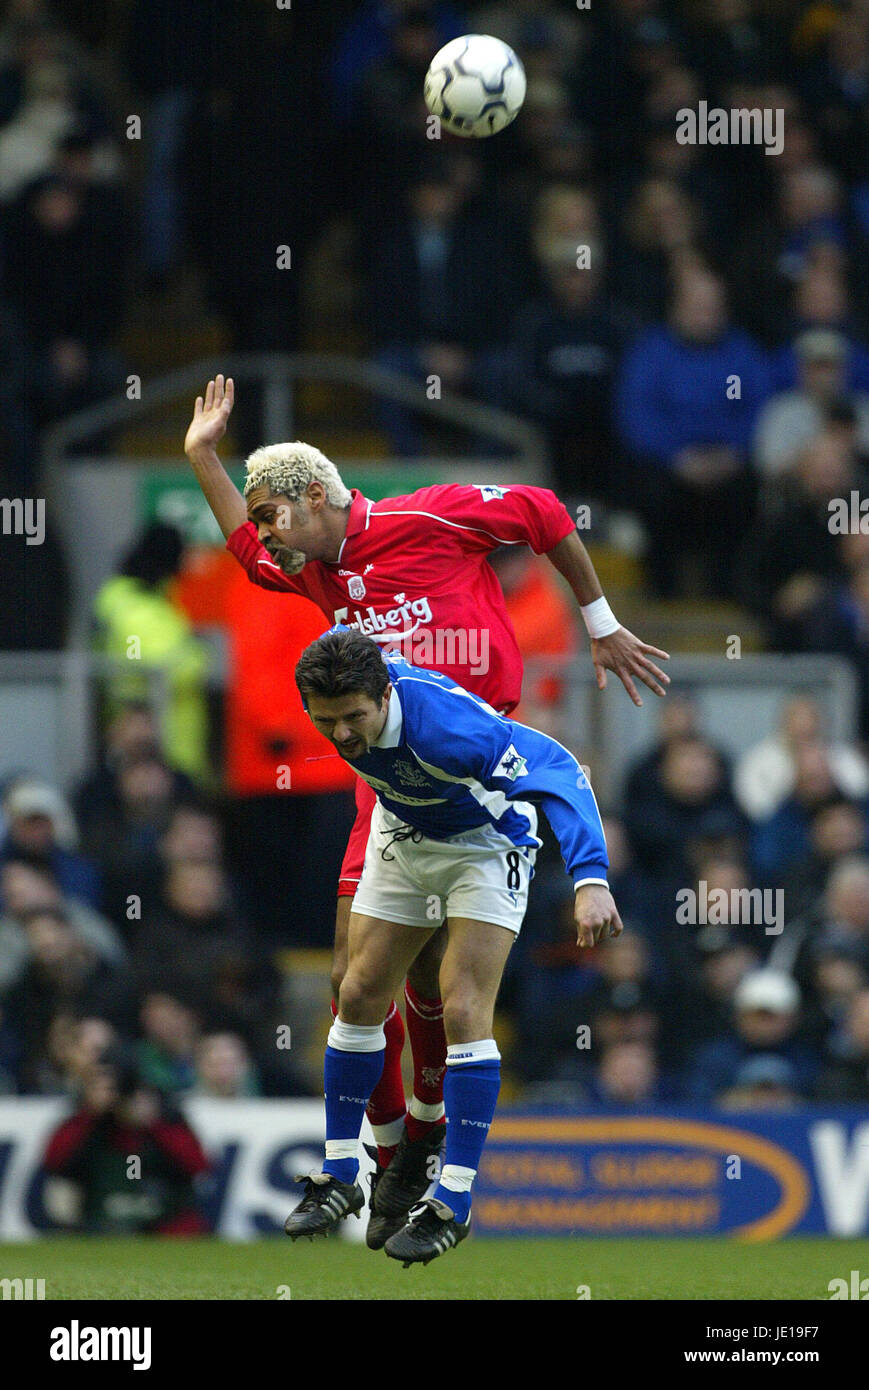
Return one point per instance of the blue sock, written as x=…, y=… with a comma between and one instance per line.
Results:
x=471, y=1085
x=350, y=1077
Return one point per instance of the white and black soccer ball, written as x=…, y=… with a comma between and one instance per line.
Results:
x=475, y=85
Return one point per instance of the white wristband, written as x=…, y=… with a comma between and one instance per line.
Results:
x=599, y=618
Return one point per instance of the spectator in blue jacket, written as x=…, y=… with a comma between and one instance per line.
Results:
x=783, y=842
x=689, y=392
x=370, y=38
x=41, y=828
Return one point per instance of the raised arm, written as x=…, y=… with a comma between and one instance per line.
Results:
x=207, y=428
x=616, y=649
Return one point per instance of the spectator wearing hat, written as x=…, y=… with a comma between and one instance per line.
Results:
x=791, y=419
x=766, y=1021
x=41, y=829
x=822, y=298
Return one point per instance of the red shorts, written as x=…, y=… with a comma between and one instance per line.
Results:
x=354, y=855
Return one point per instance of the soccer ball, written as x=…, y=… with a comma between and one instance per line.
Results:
x=475, y=85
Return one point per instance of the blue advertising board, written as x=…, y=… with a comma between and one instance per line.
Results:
x=751, y=1175
x=747, y=1175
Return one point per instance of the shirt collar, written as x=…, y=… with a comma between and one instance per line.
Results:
x=390, y=734
x=357, y=521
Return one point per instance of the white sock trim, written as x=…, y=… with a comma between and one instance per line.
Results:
x=388, y=1135
x=420, y=1111
x=457, y=1179
x=484, y=1051
x=356, y=1037
x=342, y=1148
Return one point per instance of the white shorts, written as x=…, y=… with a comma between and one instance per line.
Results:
x=481, y=875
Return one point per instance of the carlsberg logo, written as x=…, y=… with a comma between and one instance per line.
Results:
x=434, y=648
x=388, y=624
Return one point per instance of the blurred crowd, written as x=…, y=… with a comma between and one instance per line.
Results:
x=121, y=924
x=687, y=324
x=742, y=977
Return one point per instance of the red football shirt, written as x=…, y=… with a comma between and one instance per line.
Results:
x=412, y=574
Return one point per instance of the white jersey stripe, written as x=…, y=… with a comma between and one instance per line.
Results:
x=456, y=524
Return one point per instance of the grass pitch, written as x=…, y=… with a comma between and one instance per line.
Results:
x=335, y=1270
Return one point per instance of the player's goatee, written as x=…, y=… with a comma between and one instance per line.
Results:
x=290, y=561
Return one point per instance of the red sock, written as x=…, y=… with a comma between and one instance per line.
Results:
x=425, y=1027
x=386, y=1106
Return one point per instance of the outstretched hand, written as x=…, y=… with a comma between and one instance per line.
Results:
x=627, y=657
x=210, y=416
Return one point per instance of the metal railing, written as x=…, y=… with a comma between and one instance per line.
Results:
x=48, y=704
x=278, y=374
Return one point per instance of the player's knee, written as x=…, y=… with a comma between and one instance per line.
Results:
x=339, y=970
x=464, y=1016
x=359, y=1001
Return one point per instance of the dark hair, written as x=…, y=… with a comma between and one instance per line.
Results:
x=121, y=1058
x=155, y=555
x=342, y=663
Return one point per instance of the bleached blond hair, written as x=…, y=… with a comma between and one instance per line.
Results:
x=287, y=469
